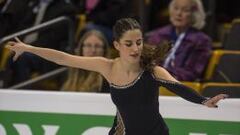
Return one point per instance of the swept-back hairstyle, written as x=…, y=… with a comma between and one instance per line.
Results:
x=83, y=80
x=123, y=25
x=151, y=56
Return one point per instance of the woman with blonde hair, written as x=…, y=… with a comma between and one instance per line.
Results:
x=92, y=43
x=191, y=48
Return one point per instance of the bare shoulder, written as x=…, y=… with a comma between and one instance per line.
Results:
x=159, y=72
x=162, y=73
x=105, y=60
x=105, y=63
x=107, y=66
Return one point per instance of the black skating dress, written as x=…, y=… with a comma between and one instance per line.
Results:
x=138, y=107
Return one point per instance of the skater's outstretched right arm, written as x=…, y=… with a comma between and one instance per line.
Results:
x=98, y=64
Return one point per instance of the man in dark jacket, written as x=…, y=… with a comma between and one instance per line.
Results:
x=23, y=14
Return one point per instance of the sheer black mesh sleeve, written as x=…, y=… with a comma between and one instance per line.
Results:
x=182, y=91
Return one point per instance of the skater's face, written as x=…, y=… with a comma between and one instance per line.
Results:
x=130, y=45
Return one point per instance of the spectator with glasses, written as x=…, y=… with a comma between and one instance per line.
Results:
x=92, y=43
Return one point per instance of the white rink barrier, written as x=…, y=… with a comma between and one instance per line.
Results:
x=61, y=113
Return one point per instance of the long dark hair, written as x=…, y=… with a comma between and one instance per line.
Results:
x=151, y=55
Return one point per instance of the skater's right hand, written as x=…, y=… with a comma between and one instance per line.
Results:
x=16, y=46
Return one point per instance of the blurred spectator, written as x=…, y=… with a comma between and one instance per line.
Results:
x=102, y=14
x=191, y=47
x=19, y=15
x=92, y=43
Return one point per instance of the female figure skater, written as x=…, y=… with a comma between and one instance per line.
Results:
x=134, y=79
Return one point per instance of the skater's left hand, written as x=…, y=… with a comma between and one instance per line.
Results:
x=212, y=102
